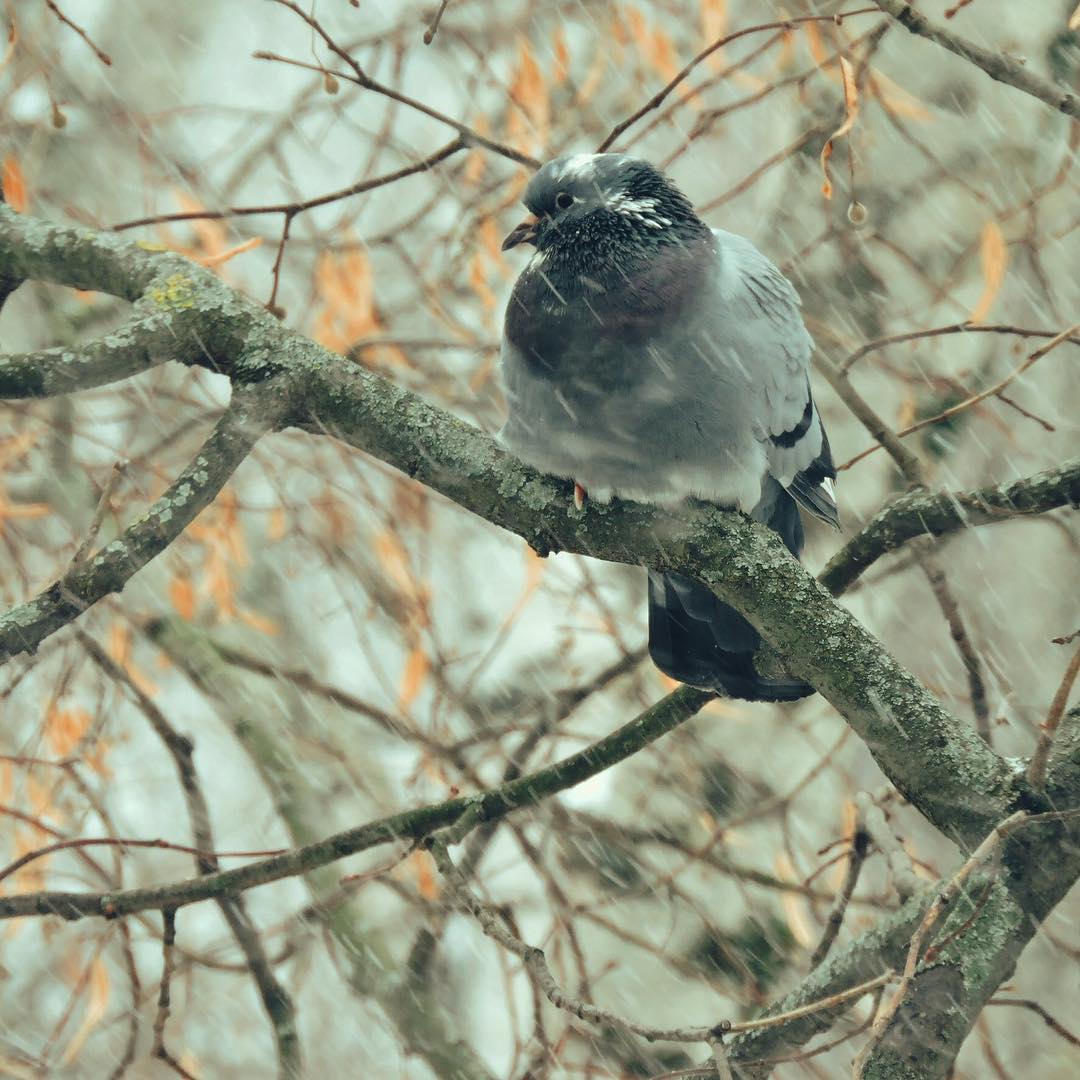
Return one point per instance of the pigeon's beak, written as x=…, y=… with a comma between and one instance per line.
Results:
x=525, y=233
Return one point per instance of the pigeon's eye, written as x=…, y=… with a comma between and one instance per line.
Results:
x=564, y=200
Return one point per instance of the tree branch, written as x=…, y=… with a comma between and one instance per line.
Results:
x=922, y=513
x=998, y=66
x=664, y=716
x=250, y=414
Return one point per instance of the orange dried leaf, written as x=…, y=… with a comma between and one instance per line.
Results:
x=562, y=57
x=39, y=798
x=851, y=114
x=714, y=26
x=795, y=908
x=225, y=256
x=182, y=595
x=31, y=877
x=14, y=185
x=1074, y=19
x=478, y=281
x=595, y=75
x=639, y=30
x=994, y=257
x=477, y=161
x=276, y=527
x=258, y=622
x=209, y=235
x=786, y=56
x=817, y=47
x=530, y=93
x=118, y=643
x=426, y=884
x=395, y=559
x=416, y=668
x=64, y=728
x=897, y=100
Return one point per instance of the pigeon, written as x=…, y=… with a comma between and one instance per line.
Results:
x=650, y=357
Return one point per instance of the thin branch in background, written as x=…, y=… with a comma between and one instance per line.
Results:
x=860, y=846
x=993, y=391
x=276, y=1001
x=661, y=95
x=127, y=842
x=84, y=549
x=164, y=1004
x=470, y=135
x=1036, y=773
x=99, y=53
x=720, y=1057
x=1054, y=1025
x=272, y=304
x=939, y=331
x=291, y=209
x=537, y=967
x=950, y=608
x=433, y=28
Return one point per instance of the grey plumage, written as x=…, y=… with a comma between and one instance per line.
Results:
x=650, y=357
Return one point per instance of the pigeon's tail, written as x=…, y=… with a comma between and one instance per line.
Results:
x=696, y=638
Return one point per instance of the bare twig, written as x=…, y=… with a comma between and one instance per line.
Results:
x=536, y=965
x=291, y=209
x=998, y=66
x=358, y=76
x=127, y=842
x=901, y=870
x=1054, y=1025
x=952, y=328
x=661, y=95
x=860, y=843
x=433, y=28
x=168, y=964
x=1036, y=772
x=84, y=549
x=947, y=414
x=99, y=53
x=276, y=1001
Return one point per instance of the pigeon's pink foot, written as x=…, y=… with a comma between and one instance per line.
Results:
x=580, y=495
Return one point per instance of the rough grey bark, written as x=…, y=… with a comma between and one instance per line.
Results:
x=280, y=379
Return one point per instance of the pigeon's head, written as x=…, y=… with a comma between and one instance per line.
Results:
x=600, y=200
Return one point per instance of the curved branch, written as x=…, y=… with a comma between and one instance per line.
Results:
x=998, y=66
x=667, y=714
x=250, y=414
x=921, y=513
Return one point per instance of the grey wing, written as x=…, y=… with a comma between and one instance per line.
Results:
x=777, y=350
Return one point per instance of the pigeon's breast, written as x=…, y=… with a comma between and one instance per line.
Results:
x=625, y=391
